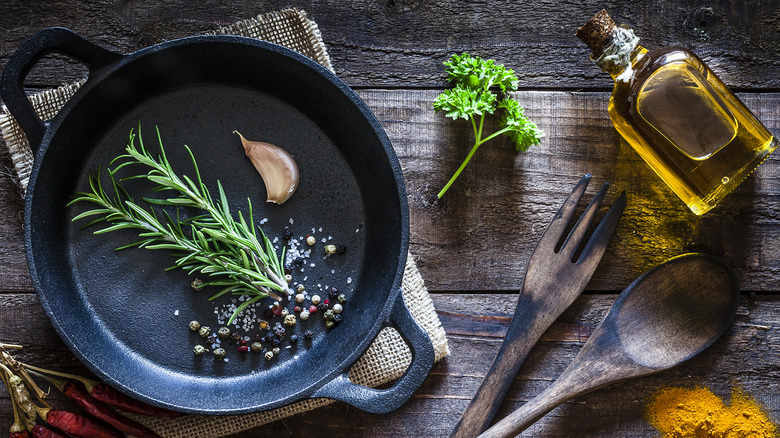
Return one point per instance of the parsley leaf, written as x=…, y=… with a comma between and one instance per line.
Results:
x=473, y=96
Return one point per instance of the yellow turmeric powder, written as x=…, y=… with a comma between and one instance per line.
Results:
x=698, y=413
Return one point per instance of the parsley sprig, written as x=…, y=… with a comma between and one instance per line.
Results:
x=473, y=98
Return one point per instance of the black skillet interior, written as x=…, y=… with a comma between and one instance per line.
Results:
x=122, y=314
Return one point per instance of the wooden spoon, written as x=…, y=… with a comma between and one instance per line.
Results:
x=665, y=317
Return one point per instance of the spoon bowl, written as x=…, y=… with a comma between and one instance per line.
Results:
x=666, y=316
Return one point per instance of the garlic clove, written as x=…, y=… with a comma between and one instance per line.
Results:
x=277, y=168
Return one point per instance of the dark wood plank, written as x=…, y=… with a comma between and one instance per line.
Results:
x=746, y=356
x=402, y=43
x=483, y=231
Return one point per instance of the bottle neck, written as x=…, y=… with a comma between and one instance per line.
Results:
x=620, y=54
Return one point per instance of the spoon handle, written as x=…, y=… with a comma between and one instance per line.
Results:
x=560, y=391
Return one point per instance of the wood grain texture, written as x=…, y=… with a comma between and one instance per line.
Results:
x=745, y=356
x=402, y=43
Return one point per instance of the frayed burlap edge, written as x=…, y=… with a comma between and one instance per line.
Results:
x=388, y=356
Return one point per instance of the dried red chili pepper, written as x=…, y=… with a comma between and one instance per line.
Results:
x=39, y=431
x=110, y=396
x=77, y=425
x=75, y=390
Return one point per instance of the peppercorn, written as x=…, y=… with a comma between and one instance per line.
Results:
x=330, y=324
x=312, y=309
x=276, y=350
x=269, y=355
x=223, y=333
x=299, y=298
x=300, y=288
x=287, y=268
x=235, y=337
x=194, y=325
x=310, y=240
x=243, y=349
x=276, y=342
x=294, y=339
x=342, y=298
x=264, y=325
x=220, y=353
x=276, y=309
x=279, y=331
x=258, y=337
x=337, y=308
x=333, y=292
x=197, y=285
x=287, y=234
x=315, y=299
x=204, y=331
x=269, y=337
x=243, y=342
x=298, y=261
x=308, y=334
x=322, y=306
x=304, y=315
x=199, y=349
x=285, y=312
x=330, y=249
x=290, y=320
x=328, y=315
x=256, y=347
x=288, y=278
x=337, y=318
x=268, y=313
x=341, y=249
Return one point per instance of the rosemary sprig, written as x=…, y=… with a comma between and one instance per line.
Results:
x=212, y=243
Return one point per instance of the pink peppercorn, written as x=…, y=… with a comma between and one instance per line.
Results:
x=297, y=308
x=312, y=309
x=326, y=301
x=243, y=349
x=242, y=342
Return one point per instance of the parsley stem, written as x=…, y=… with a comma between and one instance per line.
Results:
x=460, y=169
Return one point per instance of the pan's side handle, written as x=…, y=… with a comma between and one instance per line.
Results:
x=380, y=401
x=54, y=39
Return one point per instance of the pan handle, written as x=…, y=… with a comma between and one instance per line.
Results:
x=53, y=39
x=381, y=401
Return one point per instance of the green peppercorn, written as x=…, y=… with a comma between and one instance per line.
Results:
x=194, y=325
x=276, y=351
x=197, y=285
x=328, y=315
x=204, y=331
x=300, y=288
x=342, y=298
x=223, y=333
x=220, y=353
x=199, y=349
x=256, y=347
x=330, y=249
x=290, y=320
x=330, y=324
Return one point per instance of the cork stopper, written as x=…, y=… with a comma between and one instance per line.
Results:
x=597, y=32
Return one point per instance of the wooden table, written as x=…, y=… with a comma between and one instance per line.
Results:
x=472, y=246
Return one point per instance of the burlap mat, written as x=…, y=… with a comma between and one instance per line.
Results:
x=386, y=359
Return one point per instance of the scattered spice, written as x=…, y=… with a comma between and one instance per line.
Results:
x=310, y=240
x=197, y=285
x=194, y=326
x=223, y=333
x=204, y=331
x=220, y=353
x=330, y=249
x=199, y=349
x=697, y=412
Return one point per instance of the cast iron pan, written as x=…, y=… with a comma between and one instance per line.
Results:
x=121, y=313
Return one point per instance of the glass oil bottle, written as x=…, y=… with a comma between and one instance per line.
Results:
x=678, y=115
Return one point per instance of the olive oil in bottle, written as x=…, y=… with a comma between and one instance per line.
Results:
x=678, y=115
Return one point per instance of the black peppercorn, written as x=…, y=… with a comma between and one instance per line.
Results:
x=269, y=337
x=337, y=318
x=258, y=337
x=322, y=306
x=268, y=313
x=341, y=249
x=287, y=268
x=276, y=342
x=235, y=337
x=308, y=334
x=293, y=339
x=333, y=293
x=287, y=234
x=299, y=261
x=279, y=331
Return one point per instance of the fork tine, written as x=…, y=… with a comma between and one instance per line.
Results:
x=600, y=239
x=558, y=224
x=577, y=234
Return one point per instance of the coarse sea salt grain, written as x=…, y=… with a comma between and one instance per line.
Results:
x=349, y=280
x=263, y=220
x=176, y=313
x=291, y=221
